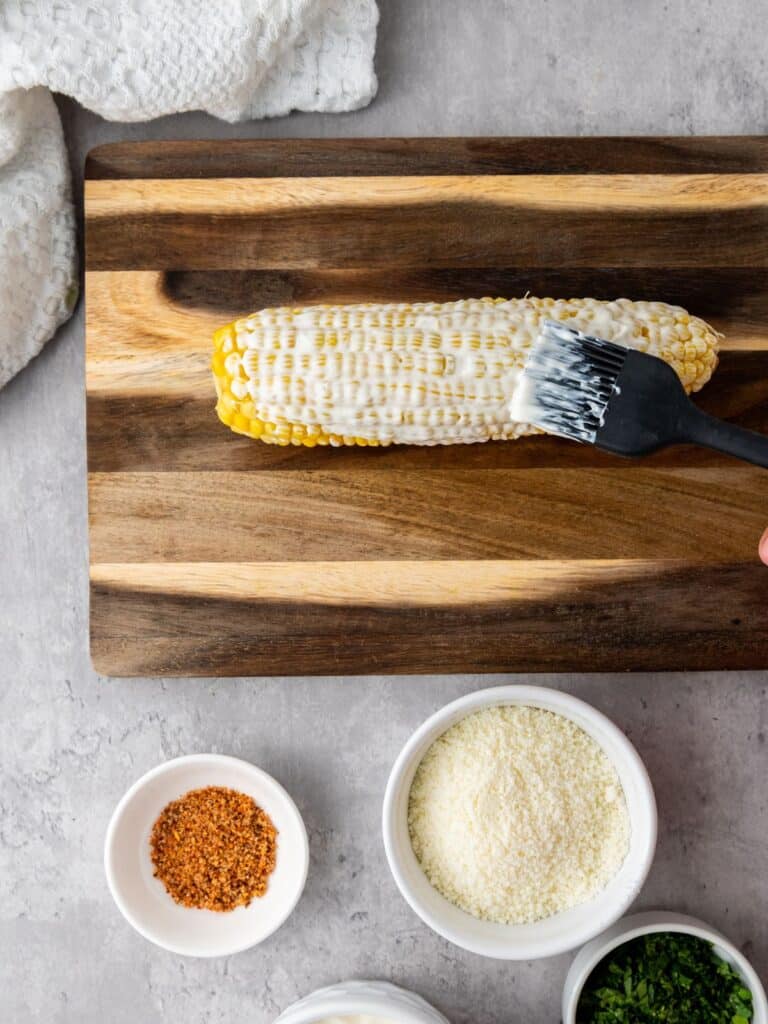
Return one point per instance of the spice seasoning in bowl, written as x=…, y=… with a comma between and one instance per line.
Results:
x=516, y=814
x=201, y=834
x=213, y=849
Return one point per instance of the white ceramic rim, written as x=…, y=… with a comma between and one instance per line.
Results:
x=647, y=923
x=532, y=696
x=393, y=1004
x=291, y=808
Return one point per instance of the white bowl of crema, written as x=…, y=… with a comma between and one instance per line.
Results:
x=361, y=1002
x=648, y=923
x=519, y=822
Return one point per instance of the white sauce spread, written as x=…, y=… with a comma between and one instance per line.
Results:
x=431, y=373
x=560, y=389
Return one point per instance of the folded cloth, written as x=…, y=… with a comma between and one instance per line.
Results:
x=132, y=60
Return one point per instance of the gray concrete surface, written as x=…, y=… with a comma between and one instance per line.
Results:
x=70, y=743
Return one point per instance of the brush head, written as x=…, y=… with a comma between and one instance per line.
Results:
x=620, y=399
x=568, y=381
x=591, y=390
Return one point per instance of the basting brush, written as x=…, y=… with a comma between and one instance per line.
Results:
x=621, y=400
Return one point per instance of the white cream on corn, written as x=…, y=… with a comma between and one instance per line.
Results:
x=430, y=373
x=561, y=388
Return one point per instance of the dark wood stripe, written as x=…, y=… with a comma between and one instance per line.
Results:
x=376, y=514
x=248, y=158
x=155, y=432
x=733, y=300
x=442, y=234
x=678, y=618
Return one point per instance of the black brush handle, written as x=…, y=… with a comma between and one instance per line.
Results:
x=701, y=428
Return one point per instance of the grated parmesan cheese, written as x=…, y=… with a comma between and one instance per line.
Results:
x=516, y=814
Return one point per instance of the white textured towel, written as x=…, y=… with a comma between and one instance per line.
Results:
x=132, y=60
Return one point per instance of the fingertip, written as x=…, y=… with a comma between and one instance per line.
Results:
x=763, y=547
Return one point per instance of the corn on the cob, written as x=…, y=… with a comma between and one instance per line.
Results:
x=422, y=373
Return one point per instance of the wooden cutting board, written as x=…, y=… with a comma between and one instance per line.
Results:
x=215, y=555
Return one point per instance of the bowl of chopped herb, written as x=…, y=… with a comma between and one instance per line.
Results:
x=660, y=966
x=206, y=855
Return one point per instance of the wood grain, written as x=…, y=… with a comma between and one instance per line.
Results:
x=734, y=300
x=212, y=554
x=374, y=514
x=528, y=221
x=284, y=618
x=296, y=158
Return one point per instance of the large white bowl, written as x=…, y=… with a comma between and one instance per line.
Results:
x=142, y=898
x=555, y=934
x=643, y=924
x=377, y=999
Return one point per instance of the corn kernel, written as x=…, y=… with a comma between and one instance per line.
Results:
x=444, y=369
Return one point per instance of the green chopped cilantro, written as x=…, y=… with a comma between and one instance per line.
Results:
x=664, y=978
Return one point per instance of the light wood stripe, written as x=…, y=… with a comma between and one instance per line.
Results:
x=134, y=319
x=142, y=345
x=378, y=583
x=552, y=193
x=151, y=395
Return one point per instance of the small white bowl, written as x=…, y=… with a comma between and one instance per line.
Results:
x=142, y=898
x=561, y=932
x=377, y=999
x=643, y=924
